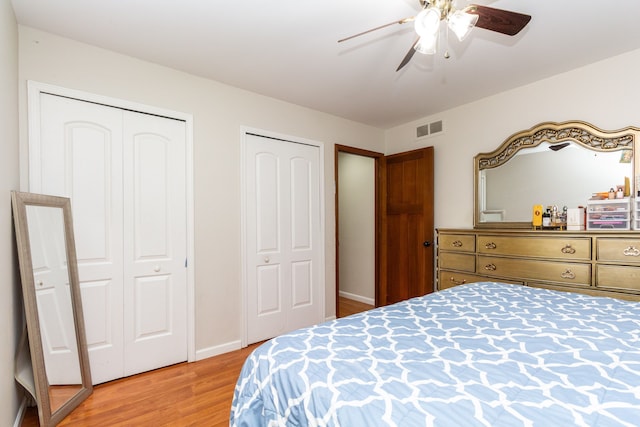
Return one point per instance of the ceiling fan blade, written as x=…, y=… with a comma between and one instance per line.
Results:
x=408, y=56
x=401, y=21
x=499, y=20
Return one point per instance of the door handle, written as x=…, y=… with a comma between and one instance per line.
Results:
x=426, y=243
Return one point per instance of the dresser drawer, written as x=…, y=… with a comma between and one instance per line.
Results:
x=589, y=290
x=454, y=261
x=457, y=242
x=618, y=250
x=618, y=277
x=574, y=248
x=525, y=269
x=449, y=279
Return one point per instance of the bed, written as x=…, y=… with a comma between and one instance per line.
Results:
x=482, y=354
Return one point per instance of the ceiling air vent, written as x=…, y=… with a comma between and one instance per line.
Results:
x=429, y=129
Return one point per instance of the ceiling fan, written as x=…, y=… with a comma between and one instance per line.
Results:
x=459, y=21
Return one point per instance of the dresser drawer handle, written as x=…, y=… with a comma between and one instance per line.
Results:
x=490, y=267
x=568, y=250
x=631, y=251
x=456, y=243
x=457, y=282
x=568, y=274
x=490, y=245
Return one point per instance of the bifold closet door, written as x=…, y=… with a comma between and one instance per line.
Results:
x=155, y=274
x=283, y=237
x=125, y=174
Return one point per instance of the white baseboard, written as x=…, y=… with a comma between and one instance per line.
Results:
x=217, y=350
x=358, y=298
x=22, y=409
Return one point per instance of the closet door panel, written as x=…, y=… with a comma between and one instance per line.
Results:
x=78, y=154
x=151, y=198
x=91, y=181
x=152, y=307
x=155, y=271
x=99, y=325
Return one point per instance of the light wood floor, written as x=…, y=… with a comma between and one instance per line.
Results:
x=347, y=307
x=187, y=394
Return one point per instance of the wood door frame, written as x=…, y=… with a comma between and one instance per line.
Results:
x=35, y=89
x=379, y=180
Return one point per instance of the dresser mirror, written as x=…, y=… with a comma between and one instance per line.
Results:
x=53, y=310
x=561, y=164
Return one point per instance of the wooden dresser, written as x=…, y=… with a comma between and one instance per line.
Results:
x=596, y=263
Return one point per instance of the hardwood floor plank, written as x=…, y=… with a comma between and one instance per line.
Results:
x=347, y=307
x=186, y=394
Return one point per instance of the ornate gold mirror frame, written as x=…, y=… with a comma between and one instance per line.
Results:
x=61, y=378
x=582, y=133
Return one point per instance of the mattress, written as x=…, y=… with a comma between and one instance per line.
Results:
x=483, y=354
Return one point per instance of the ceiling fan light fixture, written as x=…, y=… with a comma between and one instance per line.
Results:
x=461, y=23
x=428, y=44
x=427, y=21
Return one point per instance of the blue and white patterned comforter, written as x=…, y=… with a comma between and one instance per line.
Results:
x=483, y=354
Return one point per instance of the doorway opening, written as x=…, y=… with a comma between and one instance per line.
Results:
x=403, y=218
x=357, y=199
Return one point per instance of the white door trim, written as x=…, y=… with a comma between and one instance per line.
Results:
x=244, y=130
x=34, y=89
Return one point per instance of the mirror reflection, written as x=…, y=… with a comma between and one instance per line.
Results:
x=565, y=177
x=60, y=374
x=53, y=299
x=552, y=164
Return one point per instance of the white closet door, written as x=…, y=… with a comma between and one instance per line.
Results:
x=53, y=294
x=283, y=237
x=155, y=251
x=79, y=155
x=126, y=181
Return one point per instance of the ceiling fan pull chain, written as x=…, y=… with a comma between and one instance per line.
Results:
x=446, y=51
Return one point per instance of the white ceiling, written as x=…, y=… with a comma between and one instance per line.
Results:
x=288, y=49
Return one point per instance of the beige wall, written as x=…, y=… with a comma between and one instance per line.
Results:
x=10, y=296
x=605, y=94
x=356, y=211
x=219, y=111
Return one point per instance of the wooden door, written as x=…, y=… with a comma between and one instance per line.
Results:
x=283, y=237
x=407, y=223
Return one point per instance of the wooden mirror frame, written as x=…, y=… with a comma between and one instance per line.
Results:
x=582, y=133
x=20, y=201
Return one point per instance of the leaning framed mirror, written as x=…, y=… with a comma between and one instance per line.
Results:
x=551, y=164
x=52, y=301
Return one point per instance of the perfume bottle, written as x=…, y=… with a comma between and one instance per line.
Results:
x=546, y=218
x=537, y=216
